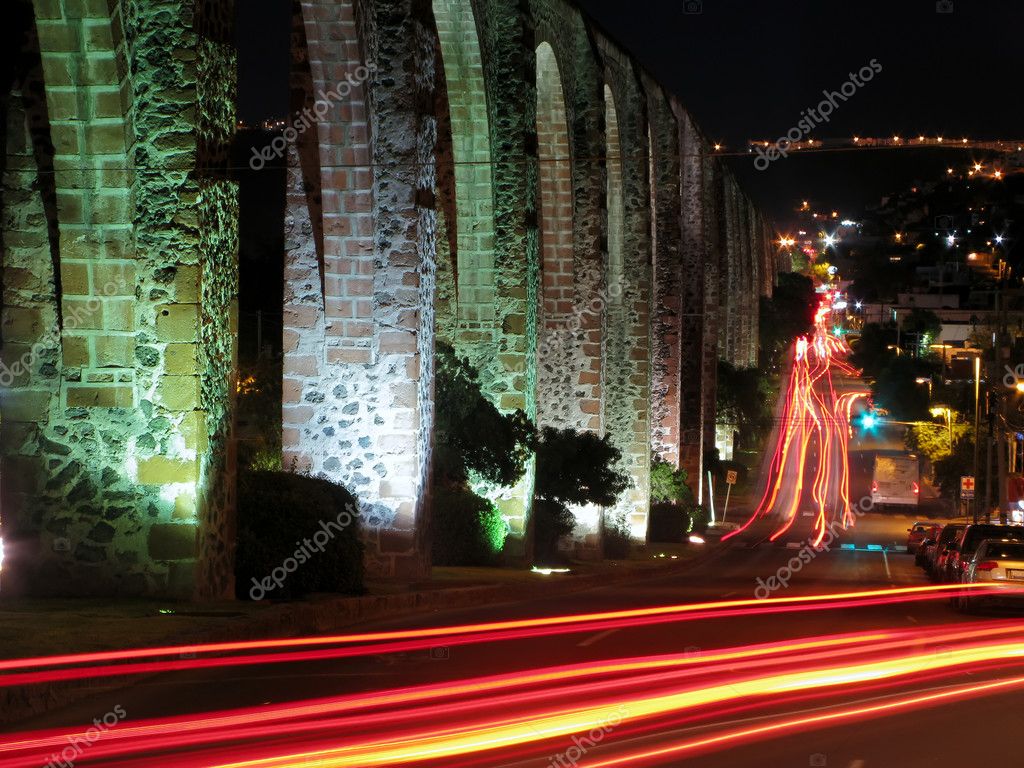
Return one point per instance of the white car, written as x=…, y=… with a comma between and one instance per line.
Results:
x=999, y=562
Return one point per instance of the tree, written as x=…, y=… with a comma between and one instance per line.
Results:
x=578, y=467
x=471, y=434
x=871, y=352
x=923, y=325
x=896, y=389
x=573, y=467
x=669, y=484
x=744, y=400
x=789, y=313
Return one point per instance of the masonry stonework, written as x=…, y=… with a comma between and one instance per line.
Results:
x=501, y=177
x=117, y=463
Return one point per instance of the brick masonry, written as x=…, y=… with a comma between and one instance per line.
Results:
x=496, y=175
x=117, y=463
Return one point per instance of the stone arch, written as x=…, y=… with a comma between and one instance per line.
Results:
x=556, y=195
x=625, y=354
x=474, y=269
x=616, y=204
x=121, y=423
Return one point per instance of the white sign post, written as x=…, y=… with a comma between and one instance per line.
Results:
x=730, y=481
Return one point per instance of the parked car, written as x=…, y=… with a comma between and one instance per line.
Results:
x=963, y=550
x=919, y=532
x=997, y=562
x=937, y=556
x=924, y=550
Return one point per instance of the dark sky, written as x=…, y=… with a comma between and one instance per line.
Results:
x=748, y=68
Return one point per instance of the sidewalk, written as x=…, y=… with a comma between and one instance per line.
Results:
x=44, y=627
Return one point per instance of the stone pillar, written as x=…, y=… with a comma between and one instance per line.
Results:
x=669, y=303
x=693, y=254
x=358, y=393
x=713, y=257
x=122, y=418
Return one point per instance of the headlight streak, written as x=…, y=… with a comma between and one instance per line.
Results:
x=717, y=666
x=409, y=640
x=810, y=414
x=545, y=725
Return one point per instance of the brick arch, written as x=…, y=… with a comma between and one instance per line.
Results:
x=556, y=195
x=127, y=397
x=471, y=160
x=626, y=379
x=616, y=204
x=359, y=338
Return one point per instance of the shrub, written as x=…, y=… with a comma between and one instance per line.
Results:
x=669, y=523
x=551, y=521
x=700, y=520
x=467, y=529
x=300, y=532
x=669, y=483
x=617, y=542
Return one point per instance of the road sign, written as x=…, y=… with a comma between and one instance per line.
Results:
x=966, y=487
x=730, y=477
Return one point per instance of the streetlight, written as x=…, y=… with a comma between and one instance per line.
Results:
x=943, y=410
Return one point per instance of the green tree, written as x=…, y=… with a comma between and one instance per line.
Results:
x=669, y=484
x=471, y=434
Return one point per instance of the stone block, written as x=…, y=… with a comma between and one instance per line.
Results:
x=96, y=396
x=119, y=315
x=180, y=360
x=74, y=278
x=178, y=393
x=177, y=322
x=82, y=314
x=161, y=470
x=112, y=278
x=186, y=284
x=22, y=324
x=193, y=431
x=25, y=405
x=76, y=351
x=173, y=541
x=114, y=351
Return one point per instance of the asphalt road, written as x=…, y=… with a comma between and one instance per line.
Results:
x=874, y=561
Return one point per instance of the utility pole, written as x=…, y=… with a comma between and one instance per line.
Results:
x=977, y=430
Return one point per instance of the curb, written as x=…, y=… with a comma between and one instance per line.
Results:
x=321, y=615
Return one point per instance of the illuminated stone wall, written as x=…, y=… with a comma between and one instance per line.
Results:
x=118, y=465
x=361, y=234
x=626, y=384
x=564, y=239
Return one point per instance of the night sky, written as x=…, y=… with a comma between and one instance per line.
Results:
x=748, y=68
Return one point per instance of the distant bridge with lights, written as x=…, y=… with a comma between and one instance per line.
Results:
x=1007, y=146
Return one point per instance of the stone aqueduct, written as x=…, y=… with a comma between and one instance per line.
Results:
x=498, y=175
